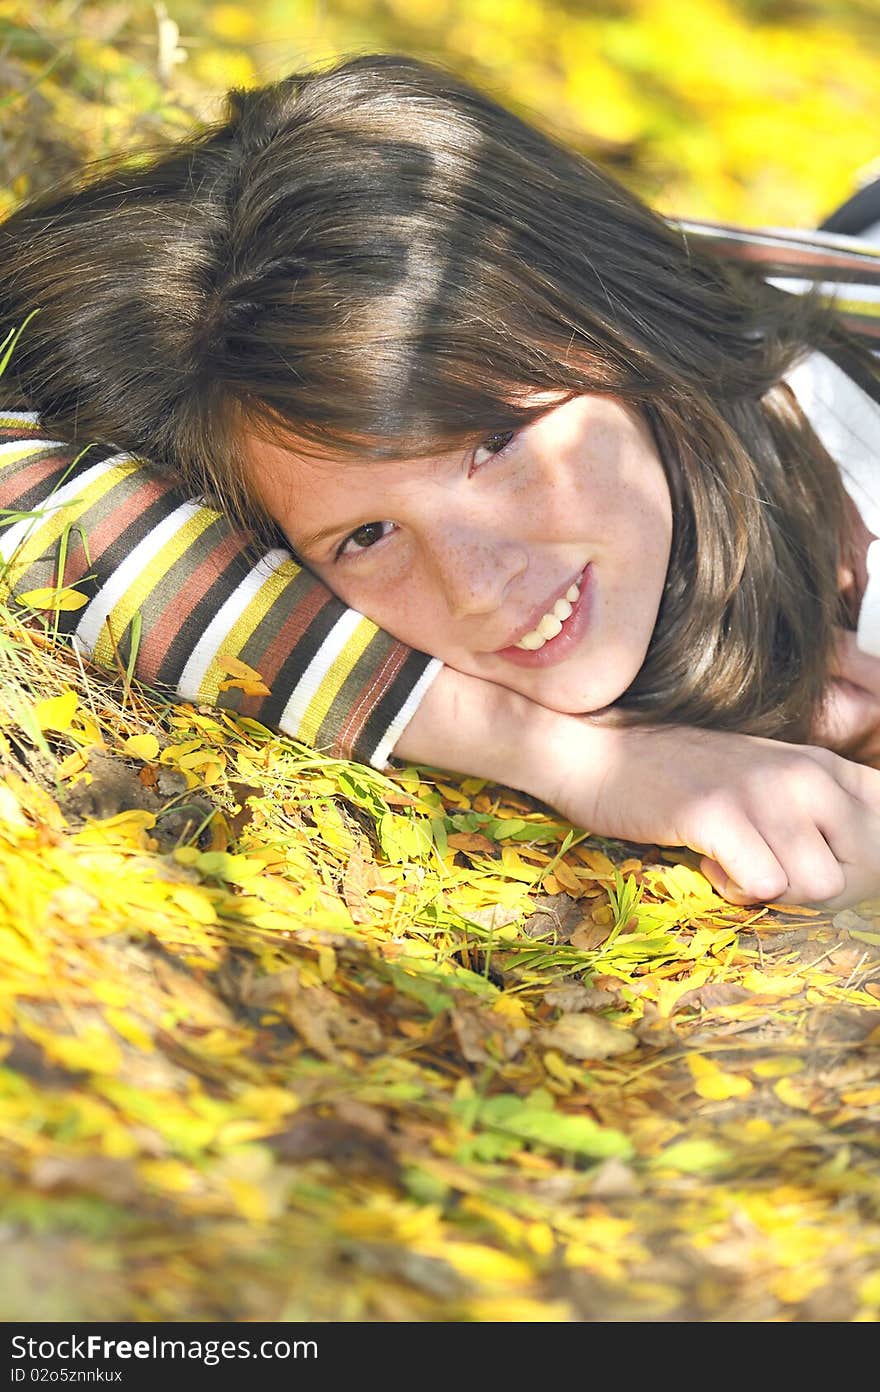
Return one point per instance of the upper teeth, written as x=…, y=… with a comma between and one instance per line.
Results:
x=551, y=623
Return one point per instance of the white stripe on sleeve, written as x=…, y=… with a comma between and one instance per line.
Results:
x=208, y=646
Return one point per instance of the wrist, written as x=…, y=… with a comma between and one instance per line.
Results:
x=474, y=726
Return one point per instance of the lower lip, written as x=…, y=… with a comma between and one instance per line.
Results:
x=573, y=629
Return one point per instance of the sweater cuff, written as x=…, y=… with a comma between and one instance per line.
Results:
x=382, y=753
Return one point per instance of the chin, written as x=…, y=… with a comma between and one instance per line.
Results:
x=587, y=699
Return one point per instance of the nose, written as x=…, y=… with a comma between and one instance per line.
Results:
x=475, y=567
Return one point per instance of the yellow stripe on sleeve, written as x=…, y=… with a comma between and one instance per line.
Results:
x=22, y=450
x=47, y=532
x=253, y=614
x=157, y=567
x=333, y=681
x=862, y=308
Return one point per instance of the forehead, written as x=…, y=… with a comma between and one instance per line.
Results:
x=305, y=490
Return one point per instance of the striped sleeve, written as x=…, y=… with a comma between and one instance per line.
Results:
x=176, y=582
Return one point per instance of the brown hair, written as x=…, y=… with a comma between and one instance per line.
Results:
x=377, y=258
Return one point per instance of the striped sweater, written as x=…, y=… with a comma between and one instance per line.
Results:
x=174, y=582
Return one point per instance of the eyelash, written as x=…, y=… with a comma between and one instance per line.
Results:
x=507, y=436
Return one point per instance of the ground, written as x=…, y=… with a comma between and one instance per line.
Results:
x=287, y=1039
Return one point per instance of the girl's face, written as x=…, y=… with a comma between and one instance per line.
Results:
x=536, y=560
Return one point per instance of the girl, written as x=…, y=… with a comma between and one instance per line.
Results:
x=584, y=468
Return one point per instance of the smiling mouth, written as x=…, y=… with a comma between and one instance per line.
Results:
x=551, y=623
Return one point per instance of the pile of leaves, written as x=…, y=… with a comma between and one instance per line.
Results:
x=285, y=1038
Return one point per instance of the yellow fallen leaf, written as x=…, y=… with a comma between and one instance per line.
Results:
x=670, y=992
x=869, y=1289
x=597, y=861
x=779, y=1067
x=56, y=712
x=326, y=963
x=234, y=667
x=763, y=984
x=481, y=1264
x=86, y=732
x=10, y=809
x=711, y=1082
x=559, y=1069
x=133, y=818
x=792, y=1094
x=130, y=1028
x=791, y=1287
x=249, y=687
x=73, y=764
x=540, y=1238
x=250, y=1200
x=47, y=598
x=569, y=881
x=93, y=1051
x=722, y=1086
x=512, y=1009
x=144, y=747
x=861, y=1097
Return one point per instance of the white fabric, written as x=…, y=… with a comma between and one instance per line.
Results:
x=847, y=422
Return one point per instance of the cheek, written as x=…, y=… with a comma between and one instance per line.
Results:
x=389, y=595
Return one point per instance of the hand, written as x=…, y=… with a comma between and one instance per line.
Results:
x=773, y=822
x=850, y=719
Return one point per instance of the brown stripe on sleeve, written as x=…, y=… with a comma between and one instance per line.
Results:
x=307, y=611
x=383, y=706
x=129, y=502
x=863, y=270
x=284, y=626
x=214, y=561
x=371, y=675
x=29, y=480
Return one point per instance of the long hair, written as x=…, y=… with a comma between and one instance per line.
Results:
x=380, y=260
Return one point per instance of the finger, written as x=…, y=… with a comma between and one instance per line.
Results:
x=723, y=884
x=816, y=871
x=858, y=780
x=739, y=862
x=852, y=831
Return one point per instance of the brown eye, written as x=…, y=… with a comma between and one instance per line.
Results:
x=367, y=535
x=492, y=445
x=362, y=538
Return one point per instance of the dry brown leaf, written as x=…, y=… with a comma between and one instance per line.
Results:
x=351, y=1148
x=484, y=1035
x=472, y=841
x=587, y=1036
x=327, y=1023
x=590, y=936
x=112, y=1179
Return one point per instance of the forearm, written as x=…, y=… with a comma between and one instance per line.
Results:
x=473, y=726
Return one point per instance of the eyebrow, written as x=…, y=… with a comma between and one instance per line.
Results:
x=315, y=538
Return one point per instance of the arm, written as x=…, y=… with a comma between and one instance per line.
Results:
x=772, y=821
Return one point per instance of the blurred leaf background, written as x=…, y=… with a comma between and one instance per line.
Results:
x=764, y=111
